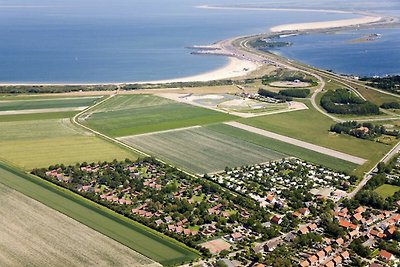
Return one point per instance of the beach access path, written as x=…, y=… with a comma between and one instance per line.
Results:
x=296, y=142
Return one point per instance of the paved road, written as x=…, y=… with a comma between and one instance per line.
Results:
x=369, y=175
x=319, y=149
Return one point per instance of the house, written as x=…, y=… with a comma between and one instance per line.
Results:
x=320, y=254
x=330, y=264
x=296, y=214
x=328, y=250
x=276, y=220
x=312, y=259
x=303, y=230
x=312, y=227
x=339, y=241
x=304, y=211
x=337, y=260
x=360, y=209
x=304, y=263
x=348, y=225
x=272, y=244
x=352, y=234
x=358, y=216
x=386, y=256
x=236, y=236
x=345, y=255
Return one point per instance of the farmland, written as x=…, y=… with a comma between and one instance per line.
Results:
x=55, y=103
x=202, y=150
x=40, y=143
x=57, y=240
x=387, y=190
x=136, y=114
x=285, y=148
x=127, y=232
x=311, y=126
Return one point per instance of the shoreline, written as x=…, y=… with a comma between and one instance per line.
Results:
x=237, y=65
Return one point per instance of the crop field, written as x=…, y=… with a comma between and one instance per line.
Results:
x=312, y=126
x=40, y=143
x=52, y=103
x=136, y=114
x=202, y=150
x=127, y=232
x=285, y=148
x=387, y=190
x=57, y=240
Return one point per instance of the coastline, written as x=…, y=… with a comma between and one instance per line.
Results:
x=325, y=24
x=238, y=65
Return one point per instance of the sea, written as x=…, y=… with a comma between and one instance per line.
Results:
x=101, y=41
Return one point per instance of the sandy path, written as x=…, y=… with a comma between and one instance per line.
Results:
x=319, y=149
x=32, y=234
x=325, y=24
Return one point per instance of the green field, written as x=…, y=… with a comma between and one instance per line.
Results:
x=136, y=114
x=134, y=235
x=387, y=190
x=285, y=148
x=38, y=116
x=47, y=103
x=202, y=150
x=313, y=127
x=40, y=143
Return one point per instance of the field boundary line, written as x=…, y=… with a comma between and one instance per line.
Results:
x=159, y=132
x=299, y=143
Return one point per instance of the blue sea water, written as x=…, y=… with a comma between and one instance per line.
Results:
x=80, y=41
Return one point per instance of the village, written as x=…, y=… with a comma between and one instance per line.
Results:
x=249, y=215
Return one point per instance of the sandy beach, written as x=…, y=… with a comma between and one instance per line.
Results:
x=325, y=24
x=234, y=68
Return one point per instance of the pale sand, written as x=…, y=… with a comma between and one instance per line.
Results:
x=233, y=69
x=325, y=24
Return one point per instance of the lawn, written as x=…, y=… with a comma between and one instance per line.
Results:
x=48, y=103
x=136, y=114
x=312, y=126
x=387, y=190
x=53, y=233
x=285, y=148
x=201, y=150
x=40, y=143
x=128, y=232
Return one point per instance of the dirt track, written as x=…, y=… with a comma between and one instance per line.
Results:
x=319, y=149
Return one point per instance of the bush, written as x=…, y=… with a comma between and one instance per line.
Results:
x=299, y=93
x=391, y=105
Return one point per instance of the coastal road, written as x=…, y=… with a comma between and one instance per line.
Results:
x=299, y=143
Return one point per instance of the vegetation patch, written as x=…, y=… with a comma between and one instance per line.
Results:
x=387, y=190
x=390, y=83
x=342, y=101
x=364, y=130
x=391, y=105
x=298, y=93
